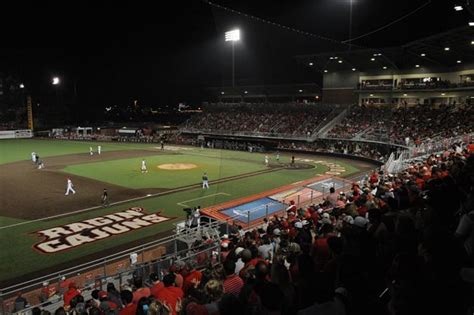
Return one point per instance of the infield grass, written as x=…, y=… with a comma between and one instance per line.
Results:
x=18, y=257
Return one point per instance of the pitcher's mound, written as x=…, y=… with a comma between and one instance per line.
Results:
x=177, y=166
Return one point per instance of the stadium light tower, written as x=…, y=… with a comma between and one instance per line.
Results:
x=233, y=36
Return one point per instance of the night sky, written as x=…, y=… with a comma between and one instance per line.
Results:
x=164, y=52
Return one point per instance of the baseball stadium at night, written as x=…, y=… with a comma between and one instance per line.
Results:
x=237, y=157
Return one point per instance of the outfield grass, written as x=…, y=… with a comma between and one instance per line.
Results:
x=20, y=150
x=18, y=256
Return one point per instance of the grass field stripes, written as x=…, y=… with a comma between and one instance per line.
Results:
x=184, y=203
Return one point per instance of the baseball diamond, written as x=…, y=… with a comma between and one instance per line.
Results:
x=232, y=175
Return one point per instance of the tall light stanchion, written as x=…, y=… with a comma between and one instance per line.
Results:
x=350, y=24
x=56, y=81
x=233, y=36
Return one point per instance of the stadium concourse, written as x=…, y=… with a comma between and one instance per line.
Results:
x=393, y=242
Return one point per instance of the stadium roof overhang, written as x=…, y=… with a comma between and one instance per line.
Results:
x=442, y=51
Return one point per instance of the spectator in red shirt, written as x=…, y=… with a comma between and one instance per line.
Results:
x=193, y=278
x=70, y=293
x=232, y=283
x=157, y=284
x=170, y=294
x=129, y=308
x=140, y=291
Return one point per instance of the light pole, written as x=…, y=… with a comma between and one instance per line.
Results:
x=233, y=36
x=350, y=24
x=56, y=82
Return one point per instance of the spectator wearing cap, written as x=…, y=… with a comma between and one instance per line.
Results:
x=170, y=294
x=156, y=284
x=129, y=308
x=106, y=305
x=291, y=210
x=70, y=293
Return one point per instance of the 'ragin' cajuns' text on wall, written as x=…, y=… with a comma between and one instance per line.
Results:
x=75, y=234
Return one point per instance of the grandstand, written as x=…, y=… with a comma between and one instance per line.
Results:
x=351, y=195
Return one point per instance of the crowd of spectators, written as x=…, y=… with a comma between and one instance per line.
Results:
x=394, y=244
x=265, y=119
x=368, y=150
x=411, y=84
x=405, y=125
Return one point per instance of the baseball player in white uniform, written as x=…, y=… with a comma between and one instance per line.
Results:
x=144, y=169
x=90, y=151
x=266, y=160
x=205, y=181
x=69, y=187
x=99, y=148
x=33, y=157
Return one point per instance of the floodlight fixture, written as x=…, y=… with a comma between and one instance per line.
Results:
x=471, y=23
x=447, y=49
x=55, y=81
x=354, y=69
x=417, y=66
x=458, y=8
x=423, y=55
x=232, y=36
x=310, y=64
x=22, y=86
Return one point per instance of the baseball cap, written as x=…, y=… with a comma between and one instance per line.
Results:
x=348, y=219
x=298, y=225
x=225, y=236
x=225, y=245
x=360, y=221
x=102, y=294
x=305, y=222
x=238, y=250
x=276, y=232
x=326, y=215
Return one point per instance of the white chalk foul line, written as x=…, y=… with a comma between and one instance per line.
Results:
x=93, y=208
x=183, y=203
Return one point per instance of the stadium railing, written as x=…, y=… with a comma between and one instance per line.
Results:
x=438, y=144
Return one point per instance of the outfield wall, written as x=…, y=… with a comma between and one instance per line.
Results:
x=16, y=134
